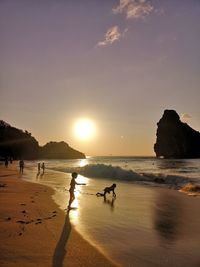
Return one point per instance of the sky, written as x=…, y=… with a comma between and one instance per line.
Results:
x=118, y=63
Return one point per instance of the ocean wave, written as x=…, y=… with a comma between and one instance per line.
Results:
x=117, y=173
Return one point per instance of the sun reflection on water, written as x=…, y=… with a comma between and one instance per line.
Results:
x=83, y=162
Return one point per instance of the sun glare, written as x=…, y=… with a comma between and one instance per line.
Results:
x=84, y=129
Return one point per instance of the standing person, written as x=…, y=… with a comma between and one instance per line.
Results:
x=43, y=167
x=72, y=188
x=21, y=166
x=39, y=167
x=6, y=162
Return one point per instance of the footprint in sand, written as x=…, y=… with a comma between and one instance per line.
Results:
x=48, y=218
x=20, y=221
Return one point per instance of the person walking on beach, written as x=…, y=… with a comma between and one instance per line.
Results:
x=72, y=188
x=6, y=162
x=43, y=167
x=39, y=167
x=21, y=166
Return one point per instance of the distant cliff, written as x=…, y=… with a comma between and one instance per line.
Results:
x=176, y=139
x=59, y=150
x=18, y=144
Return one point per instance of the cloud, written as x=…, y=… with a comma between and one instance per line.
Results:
x=112, y=35
x=185, y=117
x=134, y=9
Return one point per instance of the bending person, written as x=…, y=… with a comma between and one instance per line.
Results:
x=108, y=190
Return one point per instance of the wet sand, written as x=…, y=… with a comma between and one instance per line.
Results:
x=35, y=232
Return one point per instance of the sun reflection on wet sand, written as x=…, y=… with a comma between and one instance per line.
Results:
x=74, y=214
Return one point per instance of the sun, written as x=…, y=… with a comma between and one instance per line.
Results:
x=84, y=129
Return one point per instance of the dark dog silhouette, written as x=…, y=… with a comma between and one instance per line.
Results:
x=108, y=190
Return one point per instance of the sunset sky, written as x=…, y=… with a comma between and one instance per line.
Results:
x=118, y=63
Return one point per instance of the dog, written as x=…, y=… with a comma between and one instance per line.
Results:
x=108, y=190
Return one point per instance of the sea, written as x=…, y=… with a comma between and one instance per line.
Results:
x=151, y=221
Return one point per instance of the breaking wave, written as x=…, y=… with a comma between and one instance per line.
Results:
x=117, y=173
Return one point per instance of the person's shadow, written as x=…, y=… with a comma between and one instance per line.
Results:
x=110, y=202
x=60, y=251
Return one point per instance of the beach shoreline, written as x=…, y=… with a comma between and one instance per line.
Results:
x=35, y=232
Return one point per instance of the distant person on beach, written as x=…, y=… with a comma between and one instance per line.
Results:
x=72, y=188
x=6, y=162
x=21, y=166
x=39, y=166
x=108, y=190
x=43, y=167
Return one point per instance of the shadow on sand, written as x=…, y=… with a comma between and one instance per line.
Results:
x=60, y=251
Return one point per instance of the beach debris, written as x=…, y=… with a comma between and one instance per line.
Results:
x=22, y=204
x=8, y=219
x=3, y=185
x=191, y=189
x=23, y=211
x=54, y=211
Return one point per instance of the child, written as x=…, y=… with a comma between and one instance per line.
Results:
x=72, y=188
x=108, y=190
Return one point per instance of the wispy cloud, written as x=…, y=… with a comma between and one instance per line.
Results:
x=185, y=117
x=112, y=35
x=134, y=9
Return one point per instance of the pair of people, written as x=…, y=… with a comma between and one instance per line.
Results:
x=74, y=183
x=41, y=166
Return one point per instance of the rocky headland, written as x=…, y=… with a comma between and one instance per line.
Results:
x=176, y=139
x=18, y=144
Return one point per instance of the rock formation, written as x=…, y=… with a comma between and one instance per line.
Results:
x=59, y=150
x=18, y=144
x=176, y=139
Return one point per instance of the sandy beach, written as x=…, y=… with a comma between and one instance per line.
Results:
x=35, y=232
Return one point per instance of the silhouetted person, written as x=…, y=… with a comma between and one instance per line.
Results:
x=39, y=167
x=108, y=190
x=72, y=188
x=21, y=166
x=43, y=167
x=11, y=160
x=6, y=162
